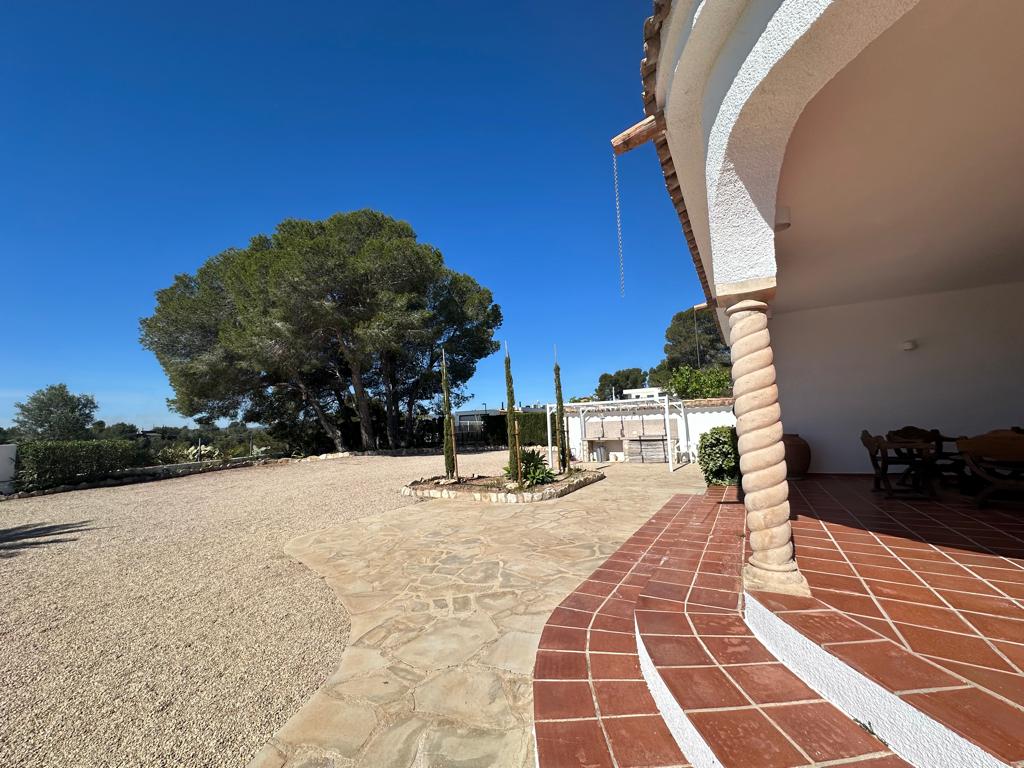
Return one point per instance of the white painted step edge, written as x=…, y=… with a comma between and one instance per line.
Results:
x=909, y=732
x=692, y=744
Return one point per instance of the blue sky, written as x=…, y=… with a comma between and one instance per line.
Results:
x=139, y=139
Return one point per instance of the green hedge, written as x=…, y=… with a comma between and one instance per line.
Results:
x=719, y=456
x=531, y=429
x=49, y=463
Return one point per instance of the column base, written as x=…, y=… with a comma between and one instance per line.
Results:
x=780, y=582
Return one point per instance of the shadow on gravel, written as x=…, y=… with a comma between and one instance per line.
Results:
x=37, y=535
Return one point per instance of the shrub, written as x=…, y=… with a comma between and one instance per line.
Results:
x=535, y=470
x=719, y=456
x=532, y=430
x=49, y=463
x=694, y=383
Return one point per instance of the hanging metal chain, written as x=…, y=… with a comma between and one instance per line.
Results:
x=618, y=225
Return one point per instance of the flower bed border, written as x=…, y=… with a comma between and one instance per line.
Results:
x=562, y=488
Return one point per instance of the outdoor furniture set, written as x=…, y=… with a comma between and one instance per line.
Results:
x=984, y=465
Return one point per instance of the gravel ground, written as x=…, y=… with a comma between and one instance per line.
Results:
x=161, y=624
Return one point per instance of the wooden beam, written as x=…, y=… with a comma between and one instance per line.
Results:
x=641, y=133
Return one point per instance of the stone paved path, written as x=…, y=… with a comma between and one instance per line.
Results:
x=447, y=601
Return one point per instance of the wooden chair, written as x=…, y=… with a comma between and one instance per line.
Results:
x=912, y=457
x=946, y=464
x=997, y=460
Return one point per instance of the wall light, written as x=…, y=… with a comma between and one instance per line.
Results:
x=909, y=345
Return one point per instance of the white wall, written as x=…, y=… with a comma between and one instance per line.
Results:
x=700, y=420
x=843, y=369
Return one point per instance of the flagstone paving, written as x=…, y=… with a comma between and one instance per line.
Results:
x=448, y=599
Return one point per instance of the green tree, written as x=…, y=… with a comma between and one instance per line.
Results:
x=54, y=413
x=320, y=319
x=693, y=338
x=612, y=384
x=117, y=431
x=693, y=383
x=560, y=437
x=450, y=467
x=510, y=414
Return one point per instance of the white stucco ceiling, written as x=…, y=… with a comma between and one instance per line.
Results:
x=905, y=173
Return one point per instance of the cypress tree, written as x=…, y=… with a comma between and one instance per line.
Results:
x=561, y=439
x=510, y=415
x=449, y=423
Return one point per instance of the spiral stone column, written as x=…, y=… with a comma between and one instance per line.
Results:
x=772, y=566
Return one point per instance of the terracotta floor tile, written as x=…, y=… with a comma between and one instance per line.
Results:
x=1009, y=685
x=596, y=588
x=881, y=561
x=997, y=627
x=936, y=567
x=832, y=581
x=892, y=667
x=607, y=666
x=862, y=605
x=648, y=603
x=947, y=645
x=714, y=597
x=622, y=609
x=710, y=624
x=661, y=623
x=824, y=732
x=979, y=717
x=669, y=576
x=1000, y=606
x=719, y=581
x=880, y=626
x=642, y=742
x=737, y=650
x=675, y=651
x=607, y=576
x=566, y=617
x=624, y=592
x=703, y=688
x=900, y=575
x=574, y=744
x=925, y=615
x=838, y=567
x=770, y=683
x=890, y=761
x=1014, y=652
x=560, y=665
x=958, y=583
x=744, y=738
x=827, y=626
x=778, y=602
x=907, y=592
x=1015, y=575
x=563, y=639
x=622, y=697
x=612, y=642
x=659, y=589
x=612, y=623
x=561, y=700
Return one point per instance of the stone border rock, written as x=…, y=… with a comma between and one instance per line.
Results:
x=555, y=491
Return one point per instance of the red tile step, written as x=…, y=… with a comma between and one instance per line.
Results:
x=727, y=699
x=591, y=705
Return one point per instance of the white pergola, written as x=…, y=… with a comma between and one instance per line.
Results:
x=663, y=405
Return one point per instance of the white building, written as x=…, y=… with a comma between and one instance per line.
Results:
x=849, y=178
x=646, y=427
